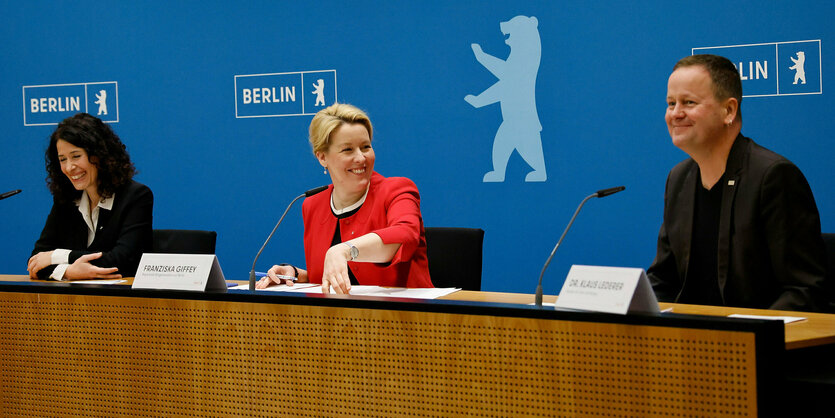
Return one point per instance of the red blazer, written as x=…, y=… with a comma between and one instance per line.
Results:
x=392, y=211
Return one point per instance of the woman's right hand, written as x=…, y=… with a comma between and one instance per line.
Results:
x=37, y=262
x=82, y=269
x=272, y=277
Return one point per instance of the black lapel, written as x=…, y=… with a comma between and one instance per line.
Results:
x=733, y=171
x=104, y=218
x=686, y=198
x=78, y=229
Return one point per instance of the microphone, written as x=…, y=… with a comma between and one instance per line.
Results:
x=308, y=193
x=599, y=193
x=312, y=192
x=606, y=192
x=9, y=194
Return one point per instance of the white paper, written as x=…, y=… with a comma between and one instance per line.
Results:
x=296, y=288
x=785, y=319
x=114, y=281
x=359, y=290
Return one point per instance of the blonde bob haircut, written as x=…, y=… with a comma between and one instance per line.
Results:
x=328, y=119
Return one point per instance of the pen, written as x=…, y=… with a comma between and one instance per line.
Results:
x=260, y=274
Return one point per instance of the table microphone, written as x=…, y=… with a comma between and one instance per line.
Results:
x=308, y=193
x=599, y=193
x=9, y=194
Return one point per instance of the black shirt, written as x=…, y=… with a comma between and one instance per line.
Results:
x=701, y=285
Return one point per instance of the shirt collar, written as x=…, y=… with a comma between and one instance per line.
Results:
x=349, y=208
x=105, y=203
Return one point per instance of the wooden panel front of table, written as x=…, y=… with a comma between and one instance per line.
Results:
x=77, y=350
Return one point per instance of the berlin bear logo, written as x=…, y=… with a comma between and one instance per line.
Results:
x=102, y=101
x=319, y=91
x=799, y=67
x=516, y=92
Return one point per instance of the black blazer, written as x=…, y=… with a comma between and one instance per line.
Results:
x=123, y=234
x=770, y=250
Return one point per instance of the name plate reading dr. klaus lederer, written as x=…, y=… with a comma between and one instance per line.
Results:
x=618, y=290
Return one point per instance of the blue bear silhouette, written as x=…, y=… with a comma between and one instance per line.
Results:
x=516, y=91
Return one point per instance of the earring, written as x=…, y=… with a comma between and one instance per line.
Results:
x=326, y=170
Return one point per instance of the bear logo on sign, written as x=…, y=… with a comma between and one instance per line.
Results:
x=799, y=67
x=516, y=92
x=319, y=91
x=102, y=102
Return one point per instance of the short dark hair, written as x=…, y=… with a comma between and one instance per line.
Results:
x=723, y=74
x=97, y=139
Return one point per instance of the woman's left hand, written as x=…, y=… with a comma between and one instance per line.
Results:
x=83, y=269
x=335, y=272
x=37, y=262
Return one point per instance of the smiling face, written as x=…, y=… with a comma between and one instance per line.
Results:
x=75, y=164
x=695, y=117
x=350, y=162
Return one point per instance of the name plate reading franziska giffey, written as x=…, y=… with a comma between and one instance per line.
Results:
x=607, y=289
x=199, y=272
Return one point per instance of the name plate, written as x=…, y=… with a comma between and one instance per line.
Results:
x=607, y=289
x=199, y=272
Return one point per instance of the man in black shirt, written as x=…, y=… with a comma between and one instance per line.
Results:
x=741, y=227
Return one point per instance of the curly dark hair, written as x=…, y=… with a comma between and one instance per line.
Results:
x=104, y=149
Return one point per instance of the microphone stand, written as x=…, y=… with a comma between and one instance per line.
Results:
x=599, y=193
x=308, y=193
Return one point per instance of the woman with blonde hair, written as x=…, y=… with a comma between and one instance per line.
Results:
x=365, y=228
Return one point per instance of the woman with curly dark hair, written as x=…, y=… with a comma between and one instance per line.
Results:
x=100, y=223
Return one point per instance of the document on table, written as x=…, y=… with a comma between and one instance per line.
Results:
x=359, y=290
x=114, y=281
x=785, y=319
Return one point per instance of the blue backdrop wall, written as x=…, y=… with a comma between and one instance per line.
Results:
x=175, y=75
